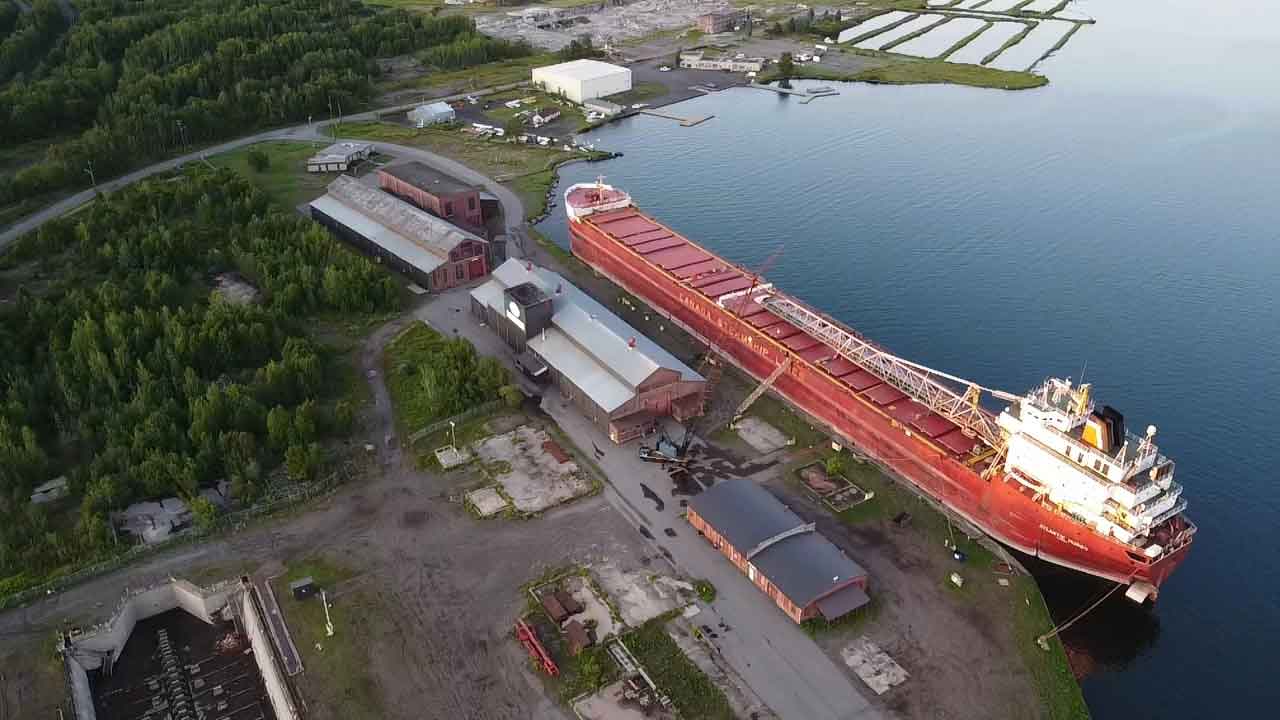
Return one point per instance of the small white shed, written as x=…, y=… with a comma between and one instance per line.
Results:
x=431, y=114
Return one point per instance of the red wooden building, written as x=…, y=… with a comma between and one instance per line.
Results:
x=799, y=569
x=439, y=194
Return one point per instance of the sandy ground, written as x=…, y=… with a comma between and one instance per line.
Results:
x=536, y=480
x=760, y=435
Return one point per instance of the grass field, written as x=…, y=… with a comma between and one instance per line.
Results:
x=498, y=159
x=937, y=71
x=337, y=675
x=474, y=78
x=286, y=180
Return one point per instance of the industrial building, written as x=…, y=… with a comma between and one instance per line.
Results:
x=438, y=193
x=799, y=569
x=618, y=378
x=431, y=114
x=697, y=60
x=582, y=80
x=339, y=157
x=434, y=253
x=722, y=20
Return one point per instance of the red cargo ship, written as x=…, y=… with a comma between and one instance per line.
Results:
x=1050, y=475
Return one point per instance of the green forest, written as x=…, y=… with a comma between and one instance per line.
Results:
x=135, y=80
x=134, y=378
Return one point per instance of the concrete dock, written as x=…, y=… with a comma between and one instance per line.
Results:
x=684, y=122
x=807, y=96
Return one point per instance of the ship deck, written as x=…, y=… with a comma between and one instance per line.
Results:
x=715, y=277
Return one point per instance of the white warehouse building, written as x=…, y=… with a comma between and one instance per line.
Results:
x=582, y=80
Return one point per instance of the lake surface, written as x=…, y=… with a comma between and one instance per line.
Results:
x=1121, y=223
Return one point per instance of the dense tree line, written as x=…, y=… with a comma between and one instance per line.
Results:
x=28, y=36
x=136, y=381
x=469, y=50
x=135, y=80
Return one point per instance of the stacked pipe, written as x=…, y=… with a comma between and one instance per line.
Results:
x=181, y=705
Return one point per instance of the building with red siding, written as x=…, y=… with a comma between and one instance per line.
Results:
x=435, y=254
x=439, y=194
x=786, y=558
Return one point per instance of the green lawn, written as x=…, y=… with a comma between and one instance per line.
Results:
x=337, y=676
x=495, y=158
x=286, y=180
x=693, y=694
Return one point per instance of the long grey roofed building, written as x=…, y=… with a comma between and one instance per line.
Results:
x=418, y=242
x=591, y=350
x=765, y=538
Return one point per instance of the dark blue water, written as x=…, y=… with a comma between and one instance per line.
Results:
x=1121, y=223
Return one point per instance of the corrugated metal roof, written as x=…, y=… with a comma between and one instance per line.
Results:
x=581, y=70
x=386, y=238
x=432, y=234
x=589, y=375
x=591, y=345
x=802, y=566
x=427, y=178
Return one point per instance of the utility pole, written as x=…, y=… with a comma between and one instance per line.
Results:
x=453, y=439
x=328, y=622
x=88, y=168
x=182, y=134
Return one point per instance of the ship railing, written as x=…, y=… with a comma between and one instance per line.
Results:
x=921, y=386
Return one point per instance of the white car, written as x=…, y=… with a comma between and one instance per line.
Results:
x=665, y=68
x=637, y=106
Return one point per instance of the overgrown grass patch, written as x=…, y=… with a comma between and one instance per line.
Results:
x=938, y=71
x=782, y=418
x=431, y=377
x=502, y=72
x=285, y=180
x=1050, y=671
x=338, y=675
x=692, y=692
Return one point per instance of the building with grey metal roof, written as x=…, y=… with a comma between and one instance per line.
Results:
x=802, y=571
x=617, y=376
x=435, y=253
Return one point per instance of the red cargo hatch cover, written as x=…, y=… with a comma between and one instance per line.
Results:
x=905, y=412
x=713, y=278
x=814, y=354
x=933, y=425
x=781, y=331
x=860, y=380
x=801, y=342
x=655, y=245
x=726, y=287
x=840, y=366
x=885, y=394
x=649, y=236
x=706, y=266
x=677, y=257
x=627, y=226
x=957, y=442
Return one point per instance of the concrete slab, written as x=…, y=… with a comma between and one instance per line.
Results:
x=487, y=501
x=593, y=607
x=451, y=457
x=640, y=599
x=761, y=436
x=534, y=480
x=873, y=665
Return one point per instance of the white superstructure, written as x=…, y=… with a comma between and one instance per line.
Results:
x=582, y=199
x=1086, y=463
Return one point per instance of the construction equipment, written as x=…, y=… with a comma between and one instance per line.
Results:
x=761, y=389
x=529, y=638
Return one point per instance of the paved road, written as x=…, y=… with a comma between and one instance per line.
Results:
x=783, y=666
x=297, y=132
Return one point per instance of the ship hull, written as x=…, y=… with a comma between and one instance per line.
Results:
x=1000, y=507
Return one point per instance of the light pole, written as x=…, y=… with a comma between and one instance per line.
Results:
x=328, y=622
x=453, y=438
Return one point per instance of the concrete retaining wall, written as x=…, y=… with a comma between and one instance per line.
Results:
x=264, y=654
